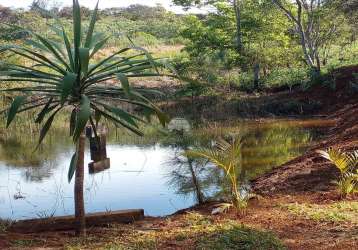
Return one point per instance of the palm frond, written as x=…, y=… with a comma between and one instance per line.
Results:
x=337, y=157
x=347, y=163
x=64, y=76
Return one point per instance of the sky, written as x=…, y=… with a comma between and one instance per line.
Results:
x=103, y=4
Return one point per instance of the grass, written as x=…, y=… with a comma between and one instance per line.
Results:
x=25, y=243
x=344, y=211
x=239, y=237
x=192, y=230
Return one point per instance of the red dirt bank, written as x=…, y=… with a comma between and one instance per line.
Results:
x=310, y=172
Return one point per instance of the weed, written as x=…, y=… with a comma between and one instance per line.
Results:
x=345, y=211
x=239, y=237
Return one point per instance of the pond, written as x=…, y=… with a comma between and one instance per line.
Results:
x=148, y=174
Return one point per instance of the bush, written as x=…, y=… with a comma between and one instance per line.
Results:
x=243, y=81
x=289, y=77
x=338, y=56
x=144, y=39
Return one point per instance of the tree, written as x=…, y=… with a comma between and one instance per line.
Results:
x=349, y=7
x=10, y=32
x=185, y=172
x=184, y=176
x=350, y=10
x=307, y=17
x=5, y=14
x=236, y=5
x=265, y=35
x=143, y=12
x=37, y=5
x=65, y=77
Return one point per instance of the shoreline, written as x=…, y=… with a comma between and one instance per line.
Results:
x=298, y=203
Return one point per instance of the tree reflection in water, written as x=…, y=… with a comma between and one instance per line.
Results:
x=262, y=149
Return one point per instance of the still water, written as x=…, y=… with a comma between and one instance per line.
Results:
x=151, y=175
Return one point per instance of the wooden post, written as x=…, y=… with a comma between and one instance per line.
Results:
x=103, y=145
x=99, y=152
x=95, y=149
x=78, y=190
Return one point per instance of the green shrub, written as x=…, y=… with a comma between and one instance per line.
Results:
x=289, y=77
x=338, y=56
x=144, y=39
x=243, y=81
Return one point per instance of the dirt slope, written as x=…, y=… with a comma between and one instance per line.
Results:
x=310, y=172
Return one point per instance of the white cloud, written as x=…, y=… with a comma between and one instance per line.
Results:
x=103, y=4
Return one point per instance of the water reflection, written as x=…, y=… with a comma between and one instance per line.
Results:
x=143, y=174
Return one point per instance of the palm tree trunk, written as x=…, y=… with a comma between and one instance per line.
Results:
x=79, y=179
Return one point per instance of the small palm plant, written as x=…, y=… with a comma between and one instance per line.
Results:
x=226, y=156
x=347, y=163
x=65, y=77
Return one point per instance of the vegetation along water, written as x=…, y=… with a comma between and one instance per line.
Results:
x=197, y=125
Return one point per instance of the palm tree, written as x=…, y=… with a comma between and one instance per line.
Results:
x=347, y=164
x=65, y=77
x=226, y=156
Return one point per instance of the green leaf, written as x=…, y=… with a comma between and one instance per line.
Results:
x=60, y=48
x=57, y=30
x=15, y=105
x=68, y=83
x=120, y=122
x=84, y=59
x=73, y=166
x=149, y=56
x=99, y=46
x=83, y=116
x=68, y=48
x=77, y=31
x=73, y=121
x=123, y=115
x=91, y=27
x=37, y=57
x=36, y=45
x=52, y=49
x=108, y=59
x=47, y=127
x=163, y=118
x=98, y=36
x=125, y=83
x=148, y=112
x=44, y=111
